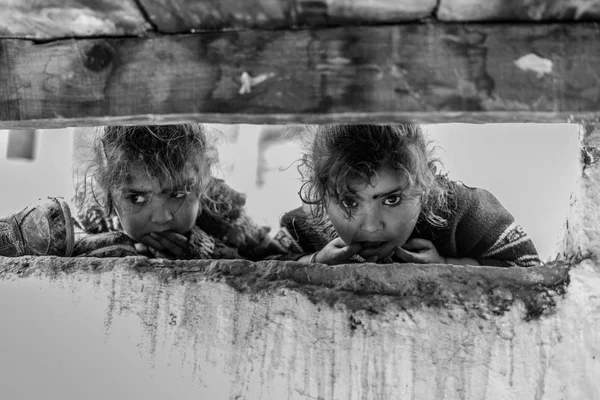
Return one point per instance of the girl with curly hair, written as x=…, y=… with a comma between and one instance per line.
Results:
x=374, y=193
x=153, y=185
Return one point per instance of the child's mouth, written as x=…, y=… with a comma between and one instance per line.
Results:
x=371, y=245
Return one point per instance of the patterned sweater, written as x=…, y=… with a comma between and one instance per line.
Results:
x=478, y=227
x=223, y=230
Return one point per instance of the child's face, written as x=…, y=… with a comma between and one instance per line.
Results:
x=382, y=215
x=146, y=204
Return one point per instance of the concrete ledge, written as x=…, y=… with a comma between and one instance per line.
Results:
x=274, y=330
x=484, y=290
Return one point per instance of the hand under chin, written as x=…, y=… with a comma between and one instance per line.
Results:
x=379, y=252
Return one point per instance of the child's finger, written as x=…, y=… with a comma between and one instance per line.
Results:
x=159, y=254
x=164, y=245
x=406, y=255
x=349, y=251
x=167, y=244
x=338, y=243
x=417, y=244
x=170, y=246
x=152, y=241
x=142, y=249
x=175, y=238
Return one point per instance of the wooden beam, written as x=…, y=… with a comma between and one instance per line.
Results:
x=426, y=73
x=518, y=10
x=56, y=19
x=52, y=19
x=179, y=16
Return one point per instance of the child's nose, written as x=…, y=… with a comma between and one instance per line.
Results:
x=161, y=213
x=372, y=221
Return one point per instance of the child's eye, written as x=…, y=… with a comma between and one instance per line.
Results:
x=349, y=203
x=392, y=200
x=138, y=199
x=179, y=195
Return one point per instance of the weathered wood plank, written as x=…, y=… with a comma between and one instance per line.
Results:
x=433, y=117
x=55, y=19
x=180, y=16
x=52, y=19
x=428, y=73
x=525, y=10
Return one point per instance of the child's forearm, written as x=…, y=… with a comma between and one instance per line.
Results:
x=461, y=261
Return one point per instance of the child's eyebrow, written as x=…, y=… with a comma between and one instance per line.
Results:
x=185, y=184
x=135, y=191
x=398, y=189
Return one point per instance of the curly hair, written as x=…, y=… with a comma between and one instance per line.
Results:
x=162, y=151
x=344, y=154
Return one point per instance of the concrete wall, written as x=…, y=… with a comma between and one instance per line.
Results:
x=134, y=328
x=155, y=329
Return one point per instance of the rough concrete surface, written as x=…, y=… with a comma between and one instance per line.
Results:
x=272, y=330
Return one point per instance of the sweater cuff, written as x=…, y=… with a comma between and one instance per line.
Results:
x=201, y=245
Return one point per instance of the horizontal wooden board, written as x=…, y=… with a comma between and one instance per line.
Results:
x=179, y=16
x=426, y=73
x=58, y=19
x=518, y=10
x=51, y=19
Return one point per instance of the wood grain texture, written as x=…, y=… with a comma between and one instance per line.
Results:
x=52, y=19
x=427, y=73
x=180, y=16
x=524, y=10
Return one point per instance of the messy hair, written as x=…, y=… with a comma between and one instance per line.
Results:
x=161, y=151
x=341, y=155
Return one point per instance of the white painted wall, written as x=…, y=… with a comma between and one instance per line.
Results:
x=23, y=182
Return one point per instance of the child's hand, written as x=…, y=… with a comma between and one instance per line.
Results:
x=420, y=251
x=337, y=252
x=168, y=244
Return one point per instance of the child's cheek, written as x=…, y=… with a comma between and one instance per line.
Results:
x=187, y=219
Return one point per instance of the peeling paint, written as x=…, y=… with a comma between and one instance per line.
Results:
x=249, y=81
x=532, y=62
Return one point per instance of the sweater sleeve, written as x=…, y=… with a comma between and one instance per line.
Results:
x=487, y=232
x=224, y=217
x=290, y=236
x=301, y=233
x=204, y=246
x=88, y=213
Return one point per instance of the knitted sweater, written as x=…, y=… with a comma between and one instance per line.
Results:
x=478, y=227
x=222, y=229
